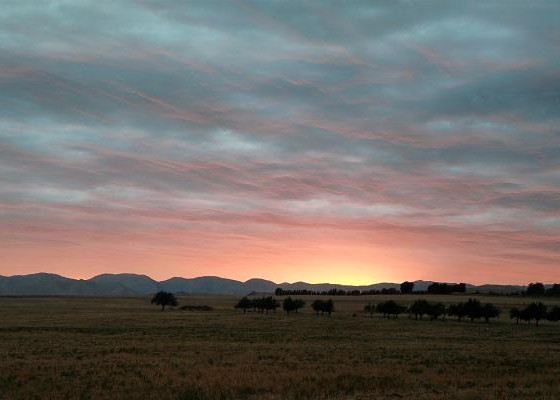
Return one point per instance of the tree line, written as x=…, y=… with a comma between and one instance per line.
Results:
x=262, y=304
x=407, y=287
x=288, y=305
x=535, y=311
x=538, y=289
x=471, y=309
x=333, y=292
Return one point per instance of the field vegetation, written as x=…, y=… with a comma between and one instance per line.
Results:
x=126, y=348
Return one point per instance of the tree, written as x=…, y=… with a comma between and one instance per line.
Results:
x=554, y=290
x=473, y=309
x=488, y=311
x=536, y=311
x=515, y=313
x=370, y=309
x=436, y=310
x=269, y=303
x=457, y=310
x=535, y=289
x=389, y=308
x=554, y=314
x=329, y=306
x=288, y=305
x=244, y=304
x=525, y=315
x=419, y=308
x=407, y=287
x=323, y=306
x=317, y=306
x=265, y=304
x=299, y=304
x=163, y=299
x=447, y=288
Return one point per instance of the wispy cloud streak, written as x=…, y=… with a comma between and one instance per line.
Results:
x=289, y=141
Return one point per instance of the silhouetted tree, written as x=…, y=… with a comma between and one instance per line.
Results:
x=436, y=310
x=407, y=287
x=554, y=290
x=370, y=309
x=163, y=299
x=269, y=303
x=515, y=313
x=536, y=311
x=488, y=311
x=525, y=315
x=419, y=308
x=244, y=304
x=290, y=305
x=323, y=306
x=389, y=307
x=329, y=307
x=299, y=304
x=447, y=288
x=265, y=304
x=473, y=309
x=317, y=305
x=554, y=314
x=287, y=305
x=457, y=310
x=535, y=289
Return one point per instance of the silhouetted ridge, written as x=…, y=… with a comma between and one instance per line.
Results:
x=129, y=284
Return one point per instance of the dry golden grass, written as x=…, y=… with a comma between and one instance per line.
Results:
x=89, y=348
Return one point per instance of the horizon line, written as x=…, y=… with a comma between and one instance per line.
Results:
x=269, y=280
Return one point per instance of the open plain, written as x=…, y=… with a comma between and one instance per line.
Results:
x=117, y=348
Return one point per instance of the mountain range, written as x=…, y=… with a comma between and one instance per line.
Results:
x=45, y=284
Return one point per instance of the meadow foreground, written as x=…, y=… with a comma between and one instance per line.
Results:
x=124, y=348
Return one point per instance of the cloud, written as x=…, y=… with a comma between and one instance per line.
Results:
x=425, y=131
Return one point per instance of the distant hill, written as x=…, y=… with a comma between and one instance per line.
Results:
x=43, y=284
x=137, y=283
x=52, y=284
x=204, y=284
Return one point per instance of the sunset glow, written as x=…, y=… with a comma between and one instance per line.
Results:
x=349, y=144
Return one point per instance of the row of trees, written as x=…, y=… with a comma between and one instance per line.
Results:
x=405, y=288
x=333, y=292
x=447, y=288
x=535, y=311
x=262, y=304
x=533, y=289
x=289, y=305
x=538, y=289
x=305, y=292
x=472, y=309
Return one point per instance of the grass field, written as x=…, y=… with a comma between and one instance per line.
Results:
x=98, y=348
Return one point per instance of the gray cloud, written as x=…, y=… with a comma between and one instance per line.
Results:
x=408, y=114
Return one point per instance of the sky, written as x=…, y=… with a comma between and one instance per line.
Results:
x=324, y=141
